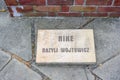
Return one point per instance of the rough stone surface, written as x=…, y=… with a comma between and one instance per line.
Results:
x=63, y=23
x=72, y=23
x=4, y=59
x=18, y=71
x=63, y=72
x=15, y=36
x=90, y=76
x=107, y=37
x=2, y=4
x=109, y=70
x=44, y=23
x=5, y=20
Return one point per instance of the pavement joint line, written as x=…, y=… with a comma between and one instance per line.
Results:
x=93, y=74
x=99, y=65
x=87, y=67
x=24, y=62
x=96, y=76
x=86, y=74
x=87, y=22
x=6, y=64
x=33, y=39
x=111, y=58
x=27, y=63
x=34, y=68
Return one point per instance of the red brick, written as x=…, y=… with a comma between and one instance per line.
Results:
x=25, y=2
x=32, y=2
x=68, y=8
x=114, y=14
x=40, y=2
x=109, y=9
x=51, y=14
x=10, y=10
x=47, y=8
x=65, y=8
x=24, y=9
x=79, y=2
x=11, y=2
x=83, y=9
x=60, y=2
x=32, y=14
x=117, y=3
x=67, y=14
x=99, y=2
x=11, y=14
x=95, y=14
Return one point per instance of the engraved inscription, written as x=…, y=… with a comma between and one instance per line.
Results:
x=65, y=46
x=65, y=38
x=65, y=50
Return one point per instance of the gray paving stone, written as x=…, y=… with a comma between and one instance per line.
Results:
x=4, y=19
x=63, y=72
x=15, y=35
x=89, y=75
x=18, y=71
x=4, y=59
x=63, y=23
x=44, y=23
x=107, y=37
x=109, y=70
x=2, y=4
x=72, y=22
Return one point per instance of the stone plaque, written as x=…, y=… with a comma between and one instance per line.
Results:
x=66, y=46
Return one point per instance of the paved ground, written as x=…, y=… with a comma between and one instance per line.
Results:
x=2, y=5
x=17, y=49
